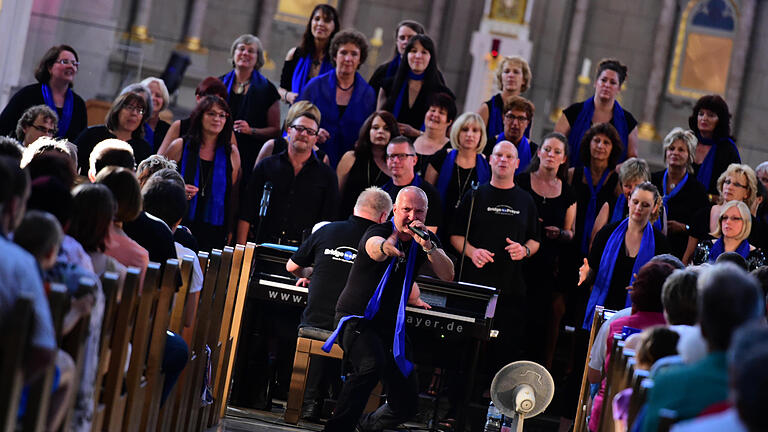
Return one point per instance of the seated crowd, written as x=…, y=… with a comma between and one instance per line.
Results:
x=589, y=225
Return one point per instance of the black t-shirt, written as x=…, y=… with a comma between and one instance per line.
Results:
x=96, y=134
x=366, y=274
x=498, y=214
x=297, y=201
x=682, y=208
x=153, y=235
x=622, y=270
x=330, y=251
x=184, y=237
x=435, y=204
x=32, y=95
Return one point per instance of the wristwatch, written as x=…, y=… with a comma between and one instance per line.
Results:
x=527, y=251
x=430, y=250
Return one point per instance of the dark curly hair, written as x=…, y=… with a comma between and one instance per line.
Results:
x=363, y=144
x=607, y=129
x=308, y=40
x=614, y=65
x=444, y=101
x=353, y=37
x=42, y=74
x=717, y=105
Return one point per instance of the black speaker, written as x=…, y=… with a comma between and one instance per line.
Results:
x=174, y=71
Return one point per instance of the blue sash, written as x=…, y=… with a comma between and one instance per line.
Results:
x=301, y=73
x=343, y=130
x=149, y=135
x=446, y=172
x=589, y=219
x=719, y=247
x=215, y=210
x=608, y=261
x=66, y=111
x=618, y=209
x=707, y=165
x=402, y=96
x=398, y=345
x=666, y=198
x=584, y=122
x=258, y=81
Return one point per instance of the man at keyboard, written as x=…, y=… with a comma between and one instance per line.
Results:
x=326, y=258
x=371, y=315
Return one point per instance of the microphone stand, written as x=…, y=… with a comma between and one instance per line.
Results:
x=474, y=186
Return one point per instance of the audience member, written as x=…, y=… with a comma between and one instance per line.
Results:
x=9, y=147
x=37, y=121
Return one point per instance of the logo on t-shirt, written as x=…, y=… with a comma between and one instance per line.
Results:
x=342, y=253
x=503, y=210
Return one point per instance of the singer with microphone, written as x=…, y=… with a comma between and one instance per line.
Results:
x=504, y=232
x=370, y=315
x=294, y=190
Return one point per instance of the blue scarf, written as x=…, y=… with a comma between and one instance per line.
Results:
x=258, y=81
x=149, y=135
x=672, y=194
x=618, y=209
x=301, y=73
x=708, y=164
x=403, y=95
x=398, y=345
x=66, y=111
x=215, y=210
x=343, y=130
x=392, y=66
x=589, y=219
x=608, y=261
x=719, y=247
x=446, y=173
x=584, y=122
x=523, y=151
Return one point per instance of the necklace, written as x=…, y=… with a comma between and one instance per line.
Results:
x=242, y=86
x=462, y=188
x=345, y=88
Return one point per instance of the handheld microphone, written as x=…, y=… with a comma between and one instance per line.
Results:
x=419, y=232
x=265, y=195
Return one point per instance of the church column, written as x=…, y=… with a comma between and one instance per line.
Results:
x=661, y=46
x=195, y=27
x=140, y=28
x=349, y=13
x=578, y=24
x=435, y=20
x=739, y=60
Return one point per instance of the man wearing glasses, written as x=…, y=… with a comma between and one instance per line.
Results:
x=518, y=114
x=401, y=161
x=304, y=190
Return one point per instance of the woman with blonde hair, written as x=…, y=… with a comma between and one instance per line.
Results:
x=513, y=77
x=731, y=235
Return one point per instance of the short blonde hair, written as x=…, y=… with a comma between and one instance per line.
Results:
x=634, y=168
x=746, y=219
x=299, y=108
x=519, y=61
x=687, y=137
x=463, y=120
x=747, y=172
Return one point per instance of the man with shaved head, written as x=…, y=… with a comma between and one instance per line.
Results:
x=503, y=233
x=371, y=315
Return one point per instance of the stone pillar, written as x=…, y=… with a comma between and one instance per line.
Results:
x=661, y=45
x=139, y=29
x=267, y=10
x=568, y=80
x=435, y=20
x=738, y=62
x=13, y=15
x=192, y=40
x=349, y=13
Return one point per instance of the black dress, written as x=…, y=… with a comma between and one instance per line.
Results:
x=363, y=173
x=682, y=208
x=414, y=115
x=159, y=135
x=96, y=134
x=606, y=195
x=32, y=95
x=423, y=161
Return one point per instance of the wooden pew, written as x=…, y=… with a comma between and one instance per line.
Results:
x=640, y=386
x=113, y=398
x=110, y=287
x=39, y=396
x=16, y=328
x=580, y=420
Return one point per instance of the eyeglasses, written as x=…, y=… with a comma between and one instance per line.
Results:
x=731, y=218
x=45, y=130
x=731, y=182
x=135, y=108
x=304, y=129
x=67, y=62
x=511, y=117
x=399, y=156
x=221, y=115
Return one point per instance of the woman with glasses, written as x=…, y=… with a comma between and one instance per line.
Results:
x=601, y=108
x=55, y=74
x=37, y=121
x=731, y=235
x=210, y=165
x=124, y=121
x=682, y=193
x=737, y=183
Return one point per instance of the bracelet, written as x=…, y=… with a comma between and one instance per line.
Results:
x=430, y=250
x=381, y=247
x=527, y=251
